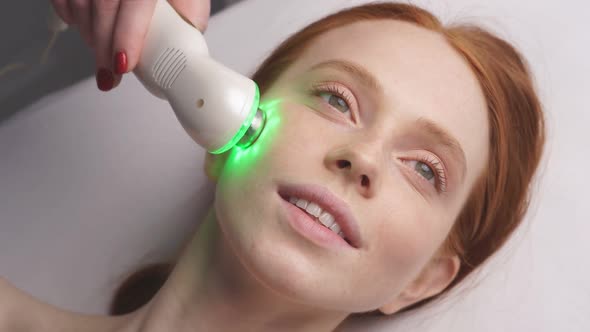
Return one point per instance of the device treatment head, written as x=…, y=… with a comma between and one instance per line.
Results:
x=253, y=130
x=216, y=106
x=251, y=126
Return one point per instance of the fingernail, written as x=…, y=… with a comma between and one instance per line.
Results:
x=120, y=63
x=104, y=79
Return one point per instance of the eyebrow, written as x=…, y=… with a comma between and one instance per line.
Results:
x=357, y=71
x=442, y=137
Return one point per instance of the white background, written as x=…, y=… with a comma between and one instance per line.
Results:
x=92, y=184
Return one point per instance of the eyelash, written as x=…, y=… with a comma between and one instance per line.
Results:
x=335, y=89
x=435, y=165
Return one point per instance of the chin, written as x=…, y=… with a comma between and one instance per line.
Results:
x=266, y=248
x=286, y=268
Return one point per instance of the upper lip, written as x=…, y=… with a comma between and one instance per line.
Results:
x=329, y=203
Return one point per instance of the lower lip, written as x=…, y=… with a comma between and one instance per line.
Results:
x=305, y=225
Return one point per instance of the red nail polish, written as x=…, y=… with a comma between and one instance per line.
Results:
x=120, y=63
x=104, y=79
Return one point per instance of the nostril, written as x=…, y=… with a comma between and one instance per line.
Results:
x=343, y=163
x=364, y=181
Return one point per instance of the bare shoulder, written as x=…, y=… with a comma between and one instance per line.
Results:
x=21, y=312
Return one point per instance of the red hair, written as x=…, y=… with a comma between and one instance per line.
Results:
x=500, y=197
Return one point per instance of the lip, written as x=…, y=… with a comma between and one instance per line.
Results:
x=329, y=203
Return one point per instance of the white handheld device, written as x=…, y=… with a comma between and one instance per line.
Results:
x=216, y=106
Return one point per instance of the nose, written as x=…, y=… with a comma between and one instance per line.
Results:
x=358, y=164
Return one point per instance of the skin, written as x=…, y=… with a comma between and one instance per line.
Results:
x=247, y=270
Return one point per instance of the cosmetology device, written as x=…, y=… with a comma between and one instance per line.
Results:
x=216, y=106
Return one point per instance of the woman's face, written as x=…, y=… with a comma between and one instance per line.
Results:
x=388, y=118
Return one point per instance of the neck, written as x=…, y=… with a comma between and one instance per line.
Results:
x=210, y=290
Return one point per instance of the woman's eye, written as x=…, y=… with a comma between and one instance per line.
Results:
x=432, y=170
x=336, y=101
x=424, y=170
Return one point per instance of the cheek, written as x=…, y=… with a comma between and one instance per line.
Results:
x=295, y=143
x=232, y=209
x=278, y=153
x=406, y=239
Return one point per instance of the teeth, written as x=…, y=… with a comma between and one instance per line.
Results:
x=327, y=219
x=302, y=203
x=335, y=228
x=315, y=210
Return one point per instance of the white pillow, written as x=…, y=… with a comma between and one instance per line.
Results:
x=93, y=185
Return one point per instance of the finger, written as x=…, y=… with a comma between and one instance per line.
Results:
x=132, y=25
x=195, y=12
x=82, y=17
x=117, y=80
x=62, y=9
x=104, y=18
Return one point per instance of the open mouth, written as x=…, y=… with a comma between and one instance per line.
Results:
x=317, y=215
x=321, y=206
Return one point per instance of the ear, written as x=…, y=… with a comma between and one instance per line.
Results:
x=435, y=277
x=214, y=164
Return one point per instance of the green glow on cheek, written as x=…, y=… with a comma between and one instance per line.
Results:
x=241, y=161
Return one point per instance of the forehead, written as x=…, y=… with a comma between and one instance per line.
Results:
x=420, y=73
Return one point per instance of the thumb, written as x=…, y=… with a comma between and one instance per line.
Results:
x=195, y=12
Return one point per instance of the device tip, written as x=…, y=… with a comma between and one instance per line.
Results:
x=254, y=130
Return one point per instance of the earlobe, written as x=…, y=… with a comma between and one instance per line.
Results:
x=435, y=277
